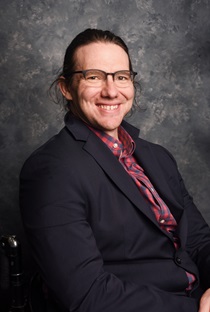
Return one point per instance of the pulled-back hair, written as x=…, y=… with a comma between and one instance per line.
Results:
x=86, y=37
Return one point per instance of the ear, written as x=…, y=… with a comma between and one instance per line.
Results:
x=63, y=88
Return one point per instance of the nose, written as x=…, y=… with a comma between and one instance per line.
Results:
x=109, y=88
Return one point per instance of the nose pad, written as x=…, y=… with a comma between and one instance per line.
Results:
x=109, y=88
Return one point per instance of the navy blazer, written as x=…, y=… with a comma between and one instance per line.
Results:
x=95, y=238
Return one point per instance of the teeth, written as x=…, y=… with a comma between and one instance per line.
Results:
x=108, y=107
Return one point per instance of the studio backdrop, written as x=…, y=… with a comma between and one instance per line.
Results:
x=169, y=42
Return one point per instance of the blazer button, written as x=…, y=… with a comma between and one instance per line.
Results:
x=178, y=260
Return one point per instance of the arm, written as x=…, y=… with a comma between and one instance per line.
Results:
x=197, y=242
x=198, y=238
x=54, y=209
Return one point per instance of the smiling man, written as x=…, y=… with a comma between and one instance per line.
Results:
x=110, y=222
x=100, y=99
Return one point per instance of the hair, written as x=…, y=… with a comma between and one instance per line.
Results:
x=84, y=38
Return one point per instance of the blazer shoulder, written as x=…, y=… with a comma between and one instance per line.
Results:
x=54, y=143
x=56, y=147
x=154, y=148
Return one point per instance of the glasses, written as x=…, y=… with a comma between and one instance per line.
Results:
x=96, y=77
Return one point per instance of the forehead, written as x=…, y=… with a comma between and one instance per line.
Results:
x=101, y=55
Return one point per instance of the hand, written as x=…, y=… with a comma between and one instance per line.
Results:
x=205, y=302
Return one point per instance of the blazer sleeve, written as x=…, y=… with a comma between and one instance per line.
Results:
x=197, y=242
x=53, y=205
x=198, y=237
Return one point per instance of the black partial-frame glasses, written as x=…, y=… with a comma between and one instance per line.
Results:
x=120, y=77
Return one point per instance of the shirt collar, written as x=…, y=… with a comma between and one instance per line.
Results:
x=123, y=147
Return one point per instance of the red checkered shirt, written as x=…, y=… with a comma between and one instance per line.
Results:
x=123, y=149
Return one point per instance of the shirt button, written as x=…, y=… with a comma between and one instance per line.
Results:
x=178, y=260
x=162, y=221
x=115, y=145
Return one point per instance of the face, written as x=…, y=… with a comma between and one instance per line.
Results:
x=103, y=106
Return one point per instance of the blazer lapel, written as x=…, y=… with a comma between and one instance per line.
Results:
x=111, y=166
x=152, y=169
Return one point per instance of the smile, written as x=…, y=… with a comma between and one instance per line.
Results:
x=108, y=107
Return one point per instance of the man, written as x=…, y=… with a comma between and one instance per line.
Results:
x=110, y=223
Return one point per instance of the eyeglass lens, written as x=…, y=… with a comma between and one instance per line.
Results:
x=97, y=76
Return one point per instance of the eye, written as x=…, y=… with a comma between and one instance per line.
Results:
x=123, y=76
x=94, y=76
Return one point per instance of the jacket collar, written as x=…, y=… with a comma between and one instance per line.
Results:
x=81, y=131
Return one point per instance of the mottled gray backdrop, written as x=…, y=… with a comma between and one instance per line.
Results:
x=169, y=42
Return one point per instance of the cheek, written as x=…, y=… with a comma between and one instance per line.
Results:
x=88, y=94
x=129, y=94
x=133, y=92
